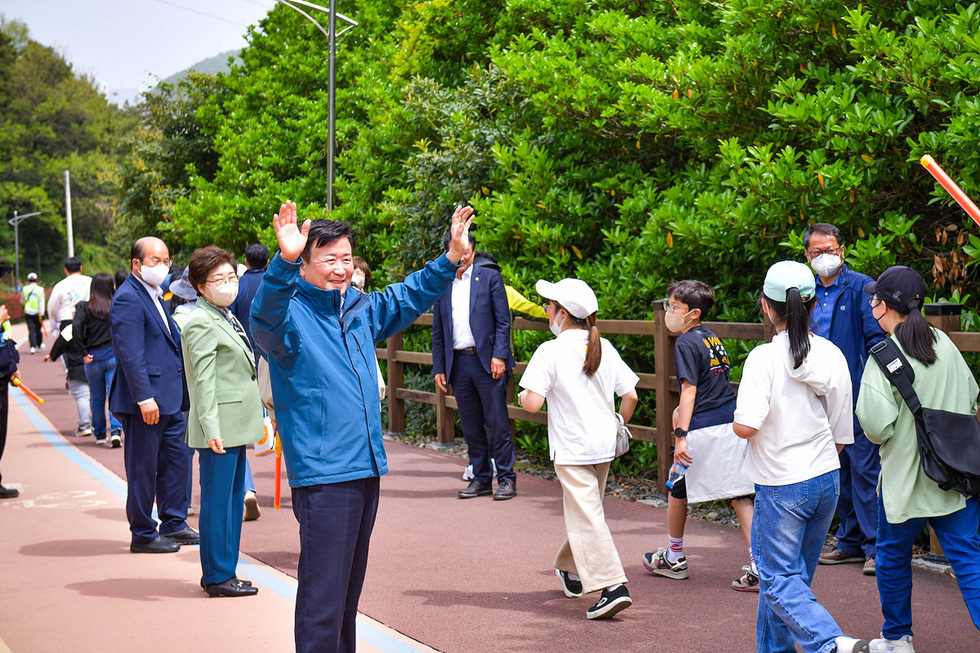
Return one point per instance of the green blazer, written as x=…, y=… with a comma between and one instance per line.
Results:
x=221, y=381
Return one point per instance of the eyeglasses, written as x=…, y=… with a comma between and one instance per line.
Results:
x=671, y=308
x=229, y=279
x=833, y=251
x=873, y=301
x=153, y=262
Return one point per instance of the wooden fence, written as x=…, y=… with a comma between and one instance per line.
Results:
x=662, y=380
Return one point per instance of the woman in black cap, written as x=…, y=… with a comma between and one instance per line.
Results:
x=907, y=498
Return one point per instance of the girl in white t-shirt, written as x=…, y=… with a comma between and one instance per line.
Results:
x=577, y=373
x=794, y=407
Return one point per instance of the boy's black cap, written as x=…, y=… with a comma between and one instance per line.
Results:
x=900, y=287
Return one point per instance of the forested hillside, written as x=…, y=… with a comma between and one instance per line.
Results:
x=52, y=120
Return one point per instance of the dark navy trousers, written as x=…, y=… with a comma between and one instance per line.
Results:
x=482, y=406
x=222, y=498
x=158, y=465
x=857, y=507
x=335, y=524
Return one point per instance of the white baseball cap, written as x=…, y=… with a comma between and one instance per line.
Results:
x=32, y=277
x=573, y=294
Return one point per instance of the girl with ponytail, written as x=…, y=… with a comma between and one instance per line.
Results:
x=907, y=498
x=794, y=408
x=578, y=373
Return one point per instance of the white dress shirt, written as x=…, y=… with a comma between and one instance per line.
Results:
x=462, y=333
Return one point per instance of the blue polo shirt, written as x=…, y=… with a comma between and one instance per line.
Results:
x=823, y=308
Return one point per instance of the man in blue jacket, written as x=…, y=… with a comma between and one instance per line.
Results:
x=842, y=314
x=318, y=333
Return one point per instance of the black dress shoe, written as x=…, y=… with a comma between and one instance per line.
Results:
x=185, y=536
x=247, y=583
x=8, y=492
x=159, y=545
x=505, y=490
x=233, y=587
x=475, y=489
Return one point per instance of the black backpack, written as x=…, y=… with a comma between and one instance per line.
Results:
x=949, y=443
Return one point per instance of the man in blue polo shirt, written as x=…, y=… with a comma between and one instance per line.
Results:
x=842, y=314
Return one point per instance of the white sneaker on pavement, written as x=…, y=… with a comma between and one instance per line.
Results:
x=900, y=645
x=851, y=645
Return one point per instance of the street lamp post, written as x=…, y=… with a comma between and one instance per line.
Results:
x=332, y=74
x=15, y=221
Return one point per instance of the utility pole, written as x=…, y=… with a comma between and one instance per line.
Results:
x=15, y=221
x=332, y=74
x=71, y=238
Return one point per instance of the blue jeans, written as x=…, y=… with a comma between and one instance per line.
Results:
x=99, y=374
x=788, y=530
x=957, y=532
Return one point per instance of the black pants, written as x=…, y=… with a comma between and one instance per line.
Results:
x=4, y=385
x=482, y=402
x=34, y=332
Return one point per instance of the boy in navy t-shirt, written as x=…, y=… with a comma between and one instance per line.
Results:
x=703, y=438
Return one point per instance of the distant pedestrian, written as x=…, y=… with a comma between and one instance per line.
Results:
x=66, y=293
x=578, y=373
x=907, y=498
x=794, y=407
x=94, y=341
x=73, y=363
x=33, y=297
x=225, y=415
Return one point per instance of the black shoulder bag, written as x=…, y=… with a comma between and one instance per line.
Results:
x=949, y=443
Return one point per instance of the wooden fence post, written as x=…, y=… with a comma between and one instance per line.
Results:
x=663, y=354
x=445, y=423
x=396, y=381
x=945, y=316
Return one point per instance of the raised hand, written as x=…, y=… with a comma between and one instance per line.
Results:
x=459, y=240
x=292, y=237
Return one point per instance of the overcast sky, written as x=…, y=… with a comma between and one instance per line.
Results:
x=121, y=43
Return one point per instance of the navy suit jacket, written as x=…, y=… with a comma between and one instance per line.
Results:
x=148, y=357
x=489, y=321
x=248, y=285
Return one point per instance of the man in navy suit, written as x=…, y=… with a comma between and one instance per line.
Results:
x=256, y=258
x=149, y=395
x=471, y=351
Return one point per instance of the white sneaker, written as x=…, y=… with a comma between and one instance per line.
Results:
x=33, y=350
x=900, y=645
x=468, y=473
x=851, y=645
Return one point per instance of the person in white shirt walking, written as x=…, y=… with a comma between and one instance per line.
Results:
x=794, y=407
x=577, y=373
x=66, y=293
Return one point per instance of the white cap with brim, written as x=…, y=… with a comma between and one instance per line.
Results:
x=573, y=294
x=32, y=277
x=789, y=274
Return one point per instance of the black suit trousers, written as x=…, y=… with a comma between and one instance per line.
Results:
x=482, y=402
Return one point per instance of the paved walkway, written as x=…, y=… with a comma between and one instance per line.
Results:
x=460, y=576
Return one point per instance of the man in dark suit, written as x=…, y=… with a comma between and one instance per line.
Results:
x=256, y=258
x=471, y=351
x=149, y=395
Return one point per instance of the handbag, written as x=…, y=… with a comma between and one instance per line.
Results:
x=949, y=443
x=623, y=435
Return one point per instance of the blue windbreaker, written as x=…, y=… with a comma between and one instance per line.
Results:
x=322, y=365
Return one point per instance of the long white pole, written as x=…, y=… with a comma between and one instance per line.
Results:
x=71, y=237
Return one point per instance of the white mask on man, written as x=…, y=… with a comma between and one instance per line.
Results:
x=155, y=275
x=826, y=265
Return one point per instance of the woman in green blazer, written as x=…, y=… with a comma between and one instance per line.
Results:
x=225, y=415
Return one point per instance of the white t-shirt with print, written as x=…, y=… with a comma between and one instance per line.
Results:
x=581, y=426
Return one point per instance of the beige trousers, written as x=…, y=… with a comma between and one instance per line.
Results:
x=588, y=550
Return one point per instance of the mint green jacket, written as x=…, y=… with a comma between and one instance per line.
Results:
x=947, y=384
x=221, y=381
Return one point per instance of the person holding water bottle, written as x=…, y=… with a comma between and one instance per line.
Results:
x=707, y=454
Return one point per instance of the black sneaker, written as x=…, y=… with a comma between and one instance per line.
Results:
x=573, y=588
x=611, y=602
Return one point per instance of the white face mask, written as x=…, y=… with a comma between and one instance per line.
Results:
x=155, y=275
x=557, y=326
x=224, y=294
x=826, y=265
x=357, y=280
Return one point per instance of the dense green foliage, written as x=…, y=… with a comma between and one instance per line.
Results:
x=628, y=143
x=53, y=120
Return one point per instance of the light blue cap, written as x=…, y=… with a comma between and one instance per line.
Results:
x=789, y=274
